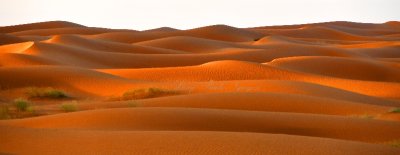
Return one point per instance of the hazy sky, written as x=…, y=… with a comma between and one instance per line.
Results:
x=184, y=14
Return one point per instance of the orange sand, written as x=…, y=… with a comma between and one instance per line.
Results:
x=323, y=88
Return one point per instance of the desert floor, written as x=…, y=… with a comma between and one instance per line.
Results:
x=323, y=88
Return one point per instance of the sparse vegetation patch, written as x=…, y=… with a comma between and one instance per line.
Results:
x=146, y=93
x=36, y=92
x=21, y=104
x=69, y=106
x=395, y=110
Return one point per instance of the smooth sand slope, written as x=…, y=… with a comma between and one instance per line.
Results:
x=177, y=142
x=187, y=119
x=321, y=88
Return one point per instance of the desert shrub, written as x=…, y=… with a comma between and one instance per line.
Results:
x=395, y=110
x=35, y=92
x=146, y=93
x=21, y=104
x=69, y=106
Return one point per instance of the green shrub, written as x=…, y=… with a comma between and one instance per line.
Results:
x=69, y=106
x=21, y=104
x=395, y=110
x=49, y=92
x=146, y=93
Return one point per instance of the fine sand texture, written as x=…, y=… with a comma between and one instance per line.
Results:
x=324, y=88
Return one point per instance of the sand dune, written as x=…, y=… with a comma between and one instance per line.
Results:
x=75, y=80
x=41, y=25
x=67, y=77
x=16, y=48
x=73, y=40
x=319, y=88
x=63, y=30
x=216, y=70
x=17, y=59
x=236, y=70
x=367, y=26
x=9, y=39
x=320, y=33
x=215, y=32
x=191, y=44
x=383, y=44
x=361, y=69
x=162, y=29
x=260, y=101
x=283, y=86
x=184, y=119
x=364, y=31
x=85, y=57
x=123, y=37
x=224, y=33
x=35, y=38
x=263, y=101
x=178, y=142
x=278, y=39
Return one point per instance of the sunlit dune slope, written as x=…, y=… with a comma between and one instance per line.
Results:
x=178, y=119
x=177, y=142
x=72, y=40
x=362, y=69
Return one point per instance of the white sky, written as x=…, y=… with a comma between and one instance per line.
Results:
x=184, y=14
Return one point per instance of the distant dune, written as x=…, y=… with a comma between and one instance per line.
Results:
x=322, y=88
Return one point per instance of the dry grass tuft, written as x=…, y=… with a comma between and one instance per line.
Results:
x=69, y=106
x=36, y=92
x=146, y=93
